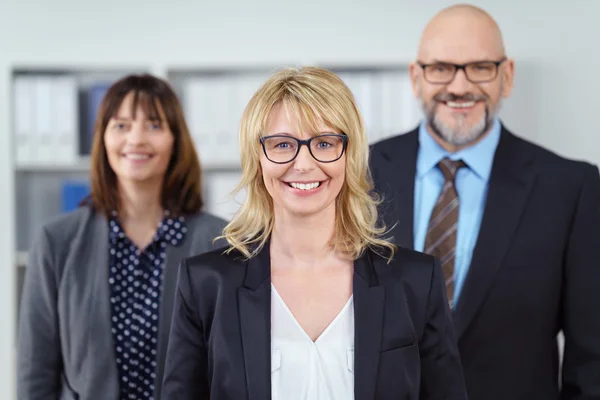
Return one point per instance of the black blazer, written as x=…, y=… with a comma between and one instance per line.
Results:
x=534, y=271
x=220, y=343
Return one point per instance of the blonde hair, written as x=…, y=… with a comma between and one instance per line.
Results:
x=314, y=95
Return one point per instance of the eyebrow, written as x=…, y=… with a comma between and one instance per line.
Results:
x=280, y=134
x=119, y=118
x=437, y=61
x=291, y=135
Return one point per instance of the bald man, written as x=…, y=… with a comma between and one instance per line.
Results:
x=515, y=226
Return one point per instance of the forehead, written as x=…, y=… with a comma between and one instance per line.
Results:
x=457, y=42
x=284, y=118
x=140, y=105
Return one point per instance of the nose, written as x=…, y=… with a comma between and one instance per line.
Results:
x=304, y=161
x=137, y=134
x=460, y=84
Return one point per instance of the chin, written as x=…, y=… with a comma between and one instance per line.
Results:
x=303, y=210
x=137, y=178
x=457, y=133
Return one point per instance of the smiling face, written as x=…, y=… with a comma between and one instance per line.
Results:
x=460, y=111
x=303, y=186
x=138, y=146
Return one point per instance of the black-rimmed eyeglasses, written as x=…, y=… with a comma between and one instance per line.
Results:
x=442, y=73
x=325, y=148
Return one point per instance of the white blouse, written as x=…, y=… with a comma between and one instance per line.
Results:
x=305, y=370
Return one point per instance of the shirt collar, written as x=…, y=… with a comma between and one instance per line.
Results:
x=171, y=229
x=479, y=157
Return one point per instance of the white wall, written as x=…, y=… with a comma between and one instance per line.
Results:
x=555, y=46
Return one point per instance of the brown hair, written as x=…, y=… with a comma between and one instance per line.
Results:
x=181, y=191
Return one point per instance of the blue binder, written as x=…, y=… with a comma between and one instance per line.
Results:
x=95, y=95
x=72, y=193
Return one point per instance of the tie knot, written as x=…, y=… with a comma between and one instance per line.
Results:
x=449, y=168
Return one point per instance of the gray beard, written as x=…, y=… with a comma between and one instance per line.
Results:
x=462, y=133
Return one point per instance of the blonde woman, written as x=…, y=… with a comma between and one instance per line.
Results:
x=309, y=301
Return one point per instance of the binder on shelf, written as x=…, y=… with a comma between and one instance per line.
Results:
x=198, y=108
x=65, y=123
x=400, y=110
x=72, y=193
x=411, y=109
x=366, y=89
x=368, y=100
x=24, y=117
x=246, y=85
x=94, y=96
x=213, y=106
x=225, y=140
x=391, y=104
x=44, y=121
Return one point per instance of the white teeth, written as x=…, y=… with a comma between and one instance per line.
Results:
x=137, y=156
x=454, y=104
x=305, y=186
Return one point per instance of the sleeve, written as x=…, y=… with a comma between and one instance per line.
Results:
x=186, y=363
x=581, y=296
x=39, y=358
x=441, y=368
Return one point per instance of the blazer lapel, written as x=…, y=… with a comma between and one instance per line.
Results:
x=397, y=174
x=254, y=300
x=175, y=255
x=100, y=336
x=368, y=311
x=511, y=181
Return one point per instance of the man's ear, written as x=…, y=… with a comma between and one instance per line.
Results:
x=414, y=72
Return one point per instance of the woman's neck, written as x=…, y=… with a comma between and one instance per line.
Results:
x=303, y=241
x=140, y=212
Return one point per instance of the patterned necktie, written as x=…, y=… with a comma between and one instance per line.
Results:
x=441, y=234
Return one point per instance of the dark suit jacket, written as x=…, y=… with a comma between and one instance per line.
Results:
x=220, y=343
x=534, y=271
x=66, y=348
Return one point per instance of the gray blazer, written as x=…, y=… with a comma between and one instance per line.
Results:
x=65, y=345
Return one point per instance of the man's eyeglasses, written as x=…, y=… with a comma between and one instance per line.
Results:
x=442, y=73
x=325, y=148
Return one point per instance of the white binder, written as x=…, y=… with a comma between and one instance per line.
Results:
x=24, y=117
x=65, y=120
x=199, y=109
x=44, y=121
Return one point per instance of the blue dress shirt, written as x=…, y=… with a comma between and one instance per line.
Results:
x=471, y=185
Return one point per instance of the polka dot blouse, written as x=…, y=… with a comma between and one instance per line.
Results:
x=135, y=284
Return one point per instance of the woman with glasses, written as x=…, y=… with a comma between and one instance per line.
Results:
x=309, y=301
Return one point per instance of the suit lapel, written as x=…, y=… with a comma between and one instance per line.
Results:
x=255, y=312
x=511, y=181
x=254, y=302
x=368, y=311
x=174, y=256
x=396, y=181
x=101, y=343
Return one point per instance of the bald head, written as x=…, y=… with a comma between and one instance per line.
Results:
x=461, y=75
x=461, y=33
